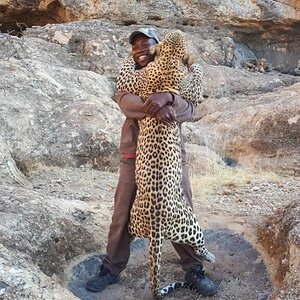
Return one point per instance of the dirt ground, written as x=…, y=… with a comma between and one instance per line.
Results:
x=229, y=215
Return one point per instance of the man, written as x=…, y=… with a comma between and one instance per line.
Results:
x=167, y=108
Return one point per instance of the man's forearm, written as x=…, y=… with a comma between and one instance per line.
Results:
x=184, y=109
x=131, y=105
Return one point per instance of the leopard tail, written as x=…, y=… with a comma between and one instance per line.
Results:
x=176, y=286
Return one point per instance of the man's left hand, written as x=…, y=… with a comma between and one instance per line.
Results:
x=166, y=115
x=156, y=101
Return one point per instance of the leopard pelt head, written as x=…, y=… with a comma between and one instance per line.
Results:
x=173, y=45
x=165, y=73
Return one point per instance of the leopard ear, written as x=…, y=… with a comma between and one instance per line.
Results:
x=155, y=49
x=190, y=59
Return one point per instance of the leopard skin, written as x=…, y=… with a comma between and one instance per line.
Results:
x=160, y=211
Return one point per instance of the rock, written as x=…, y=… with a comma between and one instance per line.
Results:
x=67, y=127
x=39, y=237
x=224, y=82
x=127, y=12
x=259, y=133
x=61, y=115
x=21, y=279
x=10, y=173
x=202, y=159
x=279, y=235
x=269, y=28
x=57, y=85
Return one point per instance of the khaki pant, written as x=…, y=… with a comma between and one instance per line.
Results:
x=118, y=247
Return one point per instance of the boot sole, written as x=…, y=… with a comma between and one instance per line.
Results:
x=114, y=281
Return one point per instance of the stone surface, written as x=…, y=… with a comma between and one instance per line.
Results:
x=202, y=159
x=260, y=130
x=269, y=28
x=249, y=271
x=60, y=127
x=45, y=228
x=67, y=127
x=279, y=235
x=57, y=118
x=21, y=279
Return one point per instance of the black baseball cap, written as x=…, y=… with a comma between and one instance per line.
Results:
x=147, y=31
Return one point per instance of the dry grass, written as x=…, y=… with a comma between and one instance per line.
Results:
x=226, y=176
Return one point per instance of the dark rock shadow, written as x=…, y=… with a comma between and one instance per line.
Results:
x=239, y=271
x=89, y=267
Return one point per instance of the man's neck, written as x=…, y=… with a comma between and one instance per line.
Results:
x=137, y=67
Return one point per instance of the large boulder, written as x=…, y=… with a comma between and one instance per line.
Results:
x=39, y=236
x=280, y=237
x=44, y=228
x=21, y=279
x=257, y=131
x=51, y=111
x=183, y=12
x=58, y=85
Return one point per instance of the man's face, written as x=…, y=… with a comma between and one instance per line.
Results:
x=141, y=50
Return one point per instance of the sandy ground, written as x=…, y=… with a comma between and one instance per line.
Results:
x=229, y=215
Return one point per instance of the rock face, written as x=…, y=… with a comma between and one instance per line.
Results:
x=57, y=117
x=257, y=13
x=76, y=124
x=43, y=228
x=252, y=132
x=38, y=235
x=279, y=235
x=269, y=28
x=57, y=113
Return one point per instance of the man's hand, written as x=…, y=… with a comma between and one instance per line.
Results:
x=157, y=101
x=166, y=115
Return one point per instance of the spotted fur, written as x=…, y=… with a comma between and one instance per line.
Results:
x=175, y=286
x=160, y=210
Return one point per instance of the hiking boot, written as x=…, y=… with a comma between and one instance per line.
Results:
x=99, y=282
x=204, y=285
